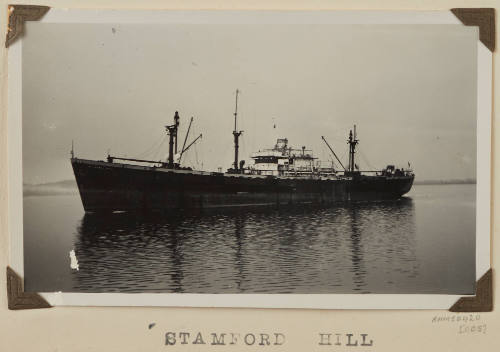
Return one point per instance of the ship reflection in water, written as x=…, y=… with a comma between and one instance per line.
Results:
x=361, y=247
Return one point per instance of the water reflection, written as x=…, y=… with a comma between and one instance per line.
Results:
x=356, y=250
x=358, y=247
x=239, y=223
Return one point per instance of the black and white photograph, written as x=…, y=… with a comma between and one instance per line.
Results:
x=250, y=158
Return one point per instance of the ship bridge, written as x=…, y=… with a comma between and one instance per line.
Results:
x=283, y=160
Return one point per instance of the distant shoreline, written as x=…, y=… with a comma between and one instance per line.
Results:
x=50, y=188
x=445, y=182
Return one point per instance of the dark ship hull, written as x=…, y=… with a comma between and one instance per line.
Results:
x=107, y=186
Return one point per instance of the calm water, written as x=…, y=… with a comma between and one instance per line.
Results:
x=424, y=243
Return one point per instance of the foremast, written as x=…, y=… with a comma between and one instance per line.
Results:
x=172, y=134
x=236, y=135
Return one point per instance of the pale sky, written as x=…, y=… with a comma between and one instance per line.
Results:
x=410, y=89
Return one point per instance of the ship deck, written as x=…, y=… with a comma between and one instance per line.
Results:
x=99, y=163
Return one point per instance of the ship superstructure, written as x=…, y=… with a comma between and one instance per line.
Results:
x=283, y=160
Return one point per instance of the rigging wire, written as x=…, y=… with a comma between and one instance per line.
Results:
x=151, y=147
x=196, y=156
x=365, y=159
x=344, y=157
x=199, y=154
x=187, y=158
x=329, y=154
x=196, y=161
x=242, y=127
x=243, y=150
x=159, y=148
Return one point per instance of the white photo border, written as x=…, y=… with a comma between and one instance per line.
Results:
x=317, y=301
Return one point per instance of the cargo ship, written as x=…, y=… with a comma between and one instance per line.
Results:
x=279, y=176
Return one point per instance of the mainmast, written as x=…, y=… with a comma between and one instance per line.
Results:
x=236, y=134
x=353, y=141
